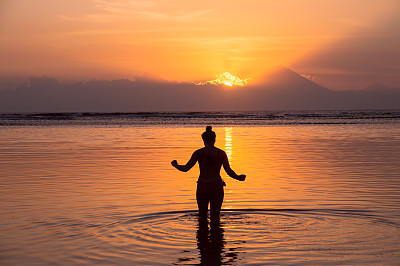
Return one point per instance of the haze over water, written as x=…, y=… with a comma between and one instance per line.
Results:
x=320, y=189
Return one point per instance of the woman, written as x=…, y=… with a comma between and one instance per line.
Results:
x=209, y=185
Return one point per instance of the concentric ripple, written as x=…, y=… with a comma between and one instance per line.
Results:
x=244, y=237
x=248, y=236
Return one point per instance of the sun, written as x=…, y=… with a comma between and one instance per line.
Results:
x=226, y=79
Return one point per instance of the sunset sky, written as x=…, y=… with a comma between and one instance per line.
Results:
x=342, y=44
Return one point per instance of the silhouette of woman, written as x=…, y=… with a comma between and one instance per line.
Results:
x=210, y=186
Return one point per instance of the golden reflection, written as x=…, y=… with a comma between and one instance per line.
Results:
x=228, y=142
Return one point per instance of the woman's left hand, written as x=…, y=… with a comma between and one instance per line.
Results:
x=242, y=177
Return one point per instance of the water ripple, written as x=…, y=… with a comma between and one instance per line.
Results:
x=270, y=236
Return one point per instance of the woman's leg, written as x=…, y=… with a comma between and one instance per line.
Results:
x=216, y=203
x=202, y=197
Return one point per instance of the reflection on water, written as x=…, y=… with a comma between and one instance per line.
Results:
x=211, y=245
x=107, y=195
x=228, y=142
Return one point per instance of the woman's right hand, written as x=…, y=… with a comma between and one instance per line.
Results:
x=242, y=177
x=174, y=163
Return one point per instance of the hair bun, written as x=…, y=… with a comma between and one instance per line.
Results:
x=208, y=129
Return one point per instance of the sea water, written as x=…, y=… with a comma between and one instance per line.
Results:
x=99, y=189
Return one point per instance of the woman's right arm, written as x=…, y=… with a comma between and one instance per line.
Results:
x=229, y=170
x=188, y=165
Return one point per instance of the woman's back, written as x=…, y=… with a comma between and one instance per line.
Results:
x=210, y=161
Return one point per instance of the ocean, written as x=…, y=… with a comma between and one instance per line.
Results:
x=322, y=187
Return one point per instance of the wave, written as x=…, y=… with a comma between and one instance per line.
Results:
x=200, y=118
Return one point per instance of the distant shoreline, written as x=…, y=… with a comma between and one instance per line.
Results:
x=246, y=118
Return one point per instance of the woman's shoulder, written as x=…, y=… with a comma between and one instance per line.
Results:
x=221, y=152
x=199, y=151
x=202, y=151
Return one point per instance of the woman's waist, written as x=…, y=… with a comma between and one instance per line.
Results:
x=210, y=181
x=210, y=184
x=209, y=178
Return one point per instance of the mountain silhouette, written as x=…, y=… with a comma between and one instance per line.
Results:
x=278, y=89
x=285, y=79
x=282, y=88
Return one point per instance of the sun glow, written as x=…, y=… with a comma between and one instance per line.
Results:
x=226, y=79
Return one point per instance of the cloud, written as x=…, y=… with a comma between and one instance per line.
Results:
x=311, y=77
x=112, y=11
x=123, y=6
x=228, y=79
x=368, y=56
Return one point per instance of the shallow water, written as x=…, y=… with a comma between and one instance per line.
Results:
x=90, y=194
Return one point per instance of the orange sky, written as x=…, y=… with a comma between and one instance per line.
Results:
x=189, y=40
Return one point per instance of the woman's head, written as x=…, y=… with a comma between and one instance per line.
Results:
x=208, y=136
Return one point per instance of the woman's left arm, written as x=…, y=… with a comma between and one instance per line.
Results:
x=229, y=171
x=188, y=166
